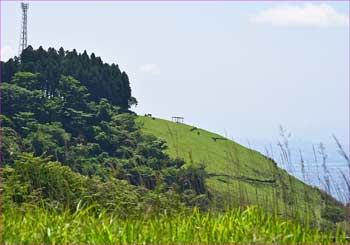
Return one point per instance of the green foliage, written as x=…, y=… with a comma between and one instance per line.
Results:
x=24, y=122
x=69, y=140
x=11, y=145
x=333, y=213
x=11, y=68
x=101, y=80
x=72, y=93
x=26, y=80
x=52, y=117
x=33, y=179
x=193, y=178
x=84, y=226
x=49, y=140
x=18, y=99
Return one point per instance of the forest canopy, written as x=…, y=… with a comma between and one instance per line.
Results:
x=66, y=121
x=100, y=79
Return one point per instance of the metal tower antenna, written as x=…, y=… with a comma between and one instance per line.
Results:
x=23, y=35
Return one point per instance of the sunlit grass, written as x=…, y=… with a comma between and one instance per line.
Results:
x=85, y=226
x=238, y=176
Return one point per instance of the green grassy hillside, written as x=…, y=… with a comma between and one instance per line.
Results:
x=237, y=176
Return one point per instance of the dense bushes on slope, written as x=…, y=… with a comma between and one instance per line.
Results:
x=35, y=180
x=64, y=113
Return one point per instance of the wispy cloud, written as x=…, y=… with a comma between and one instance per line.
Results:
x=149, y=68
x=313, y=15
x=7, y=52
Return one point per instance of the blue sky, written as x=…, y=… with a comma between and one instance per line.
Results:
x=238, y=69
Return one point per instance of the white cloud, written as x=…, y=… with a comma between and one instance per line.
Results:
x=149, y=68
x=320, y=15
x=7, y=52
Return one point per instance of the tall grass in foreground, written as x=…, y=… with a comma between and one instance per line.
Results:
x=254, y=226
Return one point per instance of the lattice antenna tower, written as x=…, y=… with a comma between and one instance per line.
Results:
x=23, y=35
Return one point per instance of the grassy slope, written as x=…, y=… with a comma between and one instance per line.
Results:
x=238, y=175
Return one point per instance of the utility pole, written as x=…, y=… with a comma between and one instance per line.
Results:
x=23, y=34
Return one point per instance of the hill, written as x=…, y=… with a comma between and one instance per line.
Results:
x=70, y=139
x=237, y=176
x=70, y=145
